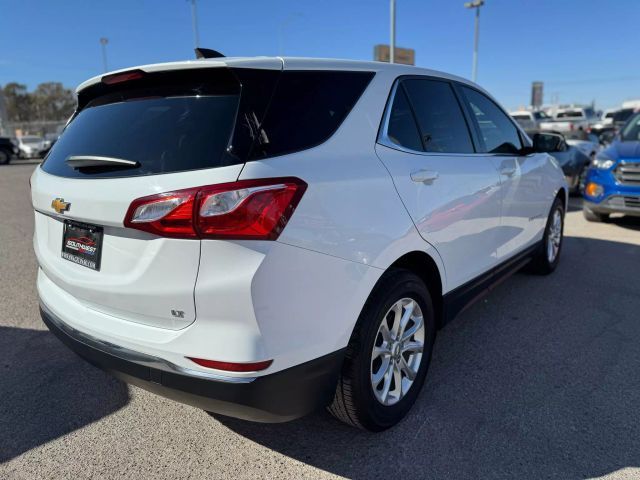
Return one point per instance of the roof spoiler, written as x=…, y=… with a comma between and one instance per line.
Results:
x=207, y=53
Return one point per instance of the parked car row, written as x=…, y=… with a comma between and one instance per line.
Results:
x=600, y=160
x=8, y=148
x=571, y=119
x=26, y=146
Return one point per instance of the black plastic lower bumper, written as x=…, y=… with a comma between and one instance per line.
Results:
x=279, y=397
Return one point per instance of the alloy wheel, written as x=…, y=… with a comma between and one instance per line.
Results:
x=554, y=237
x=397, y=351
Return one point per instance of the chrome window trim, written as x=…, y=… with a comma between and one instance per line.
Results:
x=136, y=357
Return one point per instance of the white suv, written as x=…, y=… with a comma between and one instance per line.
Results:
x=262, y=237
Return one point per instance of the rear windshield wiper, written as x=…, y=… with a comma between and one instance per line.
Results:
x=84, y=161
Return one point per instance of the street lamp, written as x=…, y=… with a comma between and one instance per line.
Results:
x=103, y=42
x=194, y=22
x=392, y=40
x=475, y=4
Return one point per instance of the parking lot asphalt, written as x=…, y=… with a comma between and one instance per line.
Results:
x=540, y=379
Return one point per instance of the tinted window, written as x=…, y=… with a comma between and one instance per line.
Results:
x=161, y=134
x=570, y=114
x=440, y=119
x=307, y=108
x=521, y=117
x=402, y=129
x=498, y=132
x=623, y=115
x=631, y=131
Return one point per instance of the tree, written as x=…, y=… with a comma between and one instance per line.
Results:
x=18, y=102
x=51, y=101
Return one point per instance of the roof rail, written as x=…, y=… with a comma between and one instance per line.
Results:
x=207, y=53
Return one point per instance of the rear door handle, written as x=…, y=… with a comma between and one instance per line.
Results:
x=424, y=176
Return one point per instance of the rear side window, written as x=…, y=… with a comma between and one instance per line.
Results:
x=497, y=131
x=402, y=129
x=443, y=128
x=307, y=108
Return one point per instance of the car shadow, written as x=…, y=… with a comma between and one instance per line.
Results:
x=46, y=391
x=540, y=379
x=631, y=223
x=575, y=204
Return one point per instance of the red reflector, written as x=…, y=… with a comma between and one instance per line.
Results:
x=242, y=210
x=232, y=367
x=122, y=77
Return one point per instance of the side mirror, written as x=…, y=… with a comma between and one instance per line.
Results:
x=548, y=142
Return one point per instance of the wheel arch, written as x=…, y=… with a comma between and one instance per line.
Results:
x=425, y=267
x=564, y=196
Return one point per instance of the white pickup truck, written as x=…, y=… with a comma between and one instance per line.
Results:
x=571, y=119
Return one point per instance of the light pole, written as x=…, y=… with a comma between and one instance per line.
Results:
x=475, y=4
x=392, y=40
x=103, y=42
x=194, y=22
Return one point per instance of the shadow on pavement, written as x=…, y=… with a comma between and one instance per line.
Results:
x=575, y=204
x=632, y=223
x=46, y=391
x=541, y=379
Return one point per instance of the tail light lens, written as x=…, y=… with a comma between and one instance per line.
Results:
x=231, y=366
x=246, y=209
x=122, y=77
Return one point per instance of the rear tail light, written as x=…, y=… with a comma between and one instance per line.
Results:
x=231, y=366
x=246, y=209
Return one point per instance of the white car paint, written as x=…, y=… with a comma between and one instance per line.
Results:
x=297, y=298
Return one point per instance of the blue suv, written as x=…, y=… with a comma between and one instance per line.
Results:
x=613, y=181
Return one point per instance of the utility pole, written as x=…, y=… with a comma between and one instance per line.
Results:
x=392, y=41
x=475, y=4
x=194, y=22
x=103, y=42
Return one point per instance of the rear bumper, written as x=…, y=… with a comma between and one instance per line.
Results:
x=278, y=397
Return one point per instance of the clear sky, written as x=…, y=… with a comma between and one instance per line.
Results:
x=583, y=50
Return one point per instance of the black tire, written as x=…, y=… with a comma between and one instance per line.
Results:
x=592, y=216
x=355, y=402
x=5, y=157
x=541, y=264
x=582, y=180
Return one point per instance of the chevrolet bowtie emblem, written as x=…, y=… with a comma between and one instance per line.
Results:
x=60, y=206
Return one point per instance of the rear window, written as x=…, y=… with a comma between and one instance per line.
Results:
x=521, y=117
x=161, y=134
